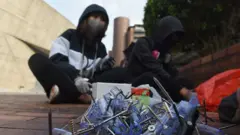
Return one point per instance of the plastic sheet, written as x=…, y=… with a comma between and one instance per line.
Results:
x=218, y=87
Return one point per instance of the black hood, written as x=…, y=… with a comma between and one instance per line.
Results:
x=91, y=9
x=163, y=29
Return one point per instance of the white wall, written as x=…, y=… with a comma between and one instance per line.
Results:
x=29, y=20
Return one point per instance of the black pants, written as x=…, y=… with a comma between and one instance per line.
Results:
x=49, y=74
x=115, y=75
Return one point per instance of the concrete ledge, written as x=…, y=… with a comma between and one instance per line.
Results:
x=204, y=68
x=220, y=54
x=234, y=49
x=206, y=59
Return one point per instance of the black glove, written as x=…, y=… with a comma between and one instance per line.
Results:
x=105, y=64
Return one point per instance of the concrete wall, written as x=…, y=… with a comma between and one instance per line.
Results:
x=34, y=22
x=204, y=68
x=121, y=25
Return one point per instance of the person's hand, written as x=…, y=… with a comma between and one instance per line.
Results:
x=83, y=85
x=106, y=63
x=186, y=93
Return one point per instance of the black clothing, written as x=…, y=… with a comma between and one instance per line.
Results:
x=163, y=32
x=115, y=75
x=69, y=48
x=70, y=54
x=147, y=78
x=141, y=60
x=48, y=74
x=94, y=8
x=122, y=75
x=229, y=108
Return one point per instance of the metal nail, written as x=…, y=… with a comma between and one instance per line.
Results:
x=109, y=103
x=197, y=130
x=163, y=89
x=50, y=121
x=229, y=126
x=168, y=110
x=72, y=127
x=150, y=109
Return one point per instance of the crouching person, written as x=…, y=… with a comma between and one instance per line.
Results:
x=144, y=63
x=80, y=55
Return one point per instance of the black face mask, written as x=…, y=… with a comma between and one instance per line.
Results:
x=95, y=26
x=168, y=43
x=164, y=47
x=94, y=29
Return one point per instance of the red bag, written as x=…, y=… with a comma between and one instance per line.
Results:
x=217, y=88
x=140, y=91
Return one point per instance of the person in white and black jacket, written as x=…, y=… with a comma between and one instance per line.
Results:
x=79, y=52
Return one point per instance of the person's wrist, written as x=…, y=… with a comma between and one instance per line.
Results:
x=76, y=78
x=82, y=79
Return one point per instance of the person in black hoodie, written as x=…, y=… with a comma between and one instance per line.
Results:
x=143, y=66
x=79, y=53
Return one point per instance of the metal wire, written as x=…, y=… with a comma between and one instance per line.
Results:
x=109, y=130
x=124, y=112
x=197, y=131
x=229, y=126
x=72, y=127
x=163, y=89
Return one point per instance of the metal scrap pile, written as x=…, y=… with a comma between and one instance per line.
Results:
x=119, y=114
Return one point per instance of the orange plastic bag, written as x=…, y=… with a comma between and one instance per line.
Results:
x=218, y=87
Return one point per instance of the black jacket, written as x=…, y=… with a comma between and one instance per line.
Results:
x=229, y=108
x=141, y=59
x=68, y=50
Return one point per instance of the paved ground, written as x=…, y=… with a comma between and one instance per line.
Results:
x=228, y=131
x=28, y=115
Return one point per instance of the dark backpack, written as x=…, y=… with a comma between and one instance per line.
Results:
x=229, y=108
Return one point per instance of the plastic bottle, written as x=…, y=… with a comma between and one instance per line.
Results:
x=205, y=129
x=102, y=105
x=194, y=100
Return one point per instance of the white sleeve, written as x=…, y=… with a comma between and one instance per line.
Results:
x=60, y=45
